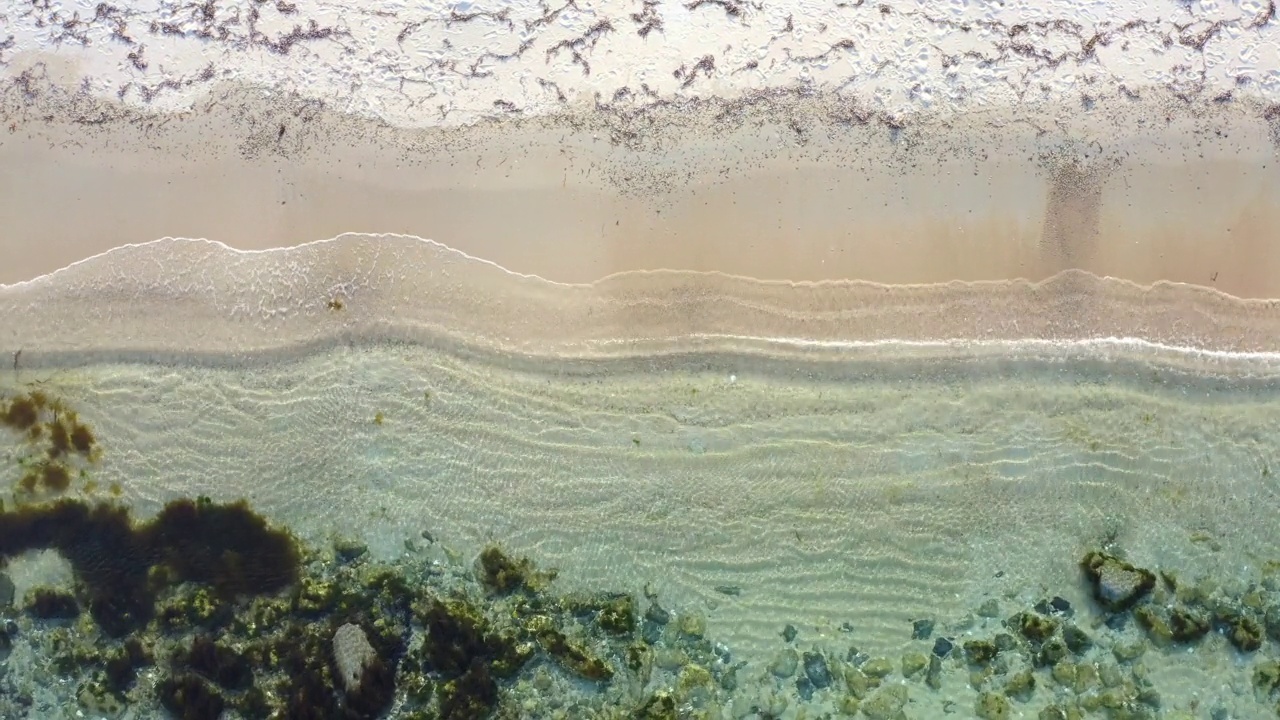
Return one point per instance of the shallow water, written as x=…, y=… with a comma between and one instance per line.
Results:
x=847, y=498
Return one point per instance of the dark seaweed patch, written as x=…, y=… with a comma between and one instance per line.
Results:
x=225, y=546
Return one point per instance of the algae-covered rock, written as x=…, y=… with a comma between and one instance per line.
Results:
x=1117, y=585
x=693, y=625
x=503, y=574
x=992, y=706
x=980, y=652
x=1245, y=632
x=1035, y=627
x=694, y=684
x=913, y=663
x=877, y=667
x=98, y=699
x=1064, y=673
x=885, y=703
x=1076, y=640
x=1266, y=678
x=1086, y=678
x=1021, y=686
x=1128, y=651
x=1050, y=653
x=660, y=706
x=1177, y=625
x=573, y=655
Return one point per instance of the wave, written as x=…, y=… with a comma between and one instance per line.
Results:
x=177, y=297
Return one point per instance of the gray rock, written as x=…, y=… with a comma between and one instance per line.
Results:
x=6, y=591
x=1117, y=585
x=815, y=667
x=352, y=653
x=885, y=703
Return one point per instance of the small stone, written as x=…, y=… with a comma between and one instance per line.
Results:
x=922, y=629
x=877, y=667
x=815, y=668
x=1077, y=640
x=789, y=632
x=1064, y=673
x=992, y=706
x=776, y=704
x=1034, y=627
x=1086, y=677
x=980, y=652
x=1117, y=585
x=1245, y=633
x=352, y=653
x=1052, y=712
x=941, y=647
x=694, y=684
x=913, y=663
x=729, y=678
x=1060, y=605
x=656, y=615
x=348, y=550
x=933, y=678
x=542, y=679
x=1149, y=697
x=885, y=703
x=989, y=608
x=1129, y=651
x=1266, y=678
x=669, y=658
x=1110, y=674
x=6, y=591
x=859, y=683
x=1021, y=686
x=804, y=689
x=693, y=625
x=784, y=663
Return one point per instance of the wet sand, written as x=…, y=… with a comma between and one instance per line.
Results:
x=783, y=192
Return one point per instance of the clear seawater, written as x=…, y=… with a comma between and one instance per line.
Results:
x=799, y=524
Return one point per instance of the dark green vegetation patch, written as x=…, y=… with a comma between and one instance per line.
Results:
x=122, y=564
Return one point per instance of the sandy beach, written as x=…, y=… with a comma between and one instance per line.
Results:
x=1081, y=144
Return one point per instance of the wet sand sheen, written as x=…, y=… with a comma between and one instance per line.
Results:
x=1127, y=190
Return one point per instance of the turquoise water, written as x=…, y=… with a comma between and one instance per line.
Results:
x=742, y=495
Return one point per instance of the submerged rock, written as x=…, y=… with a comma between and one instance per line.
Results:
x=784, y=663
x=885, y=703
x=1117, y=585
x=815, y=668
x=991, y=706
x=352, y=653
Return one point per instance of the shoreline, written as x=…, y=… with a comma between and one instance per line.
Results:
x=176, y=298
